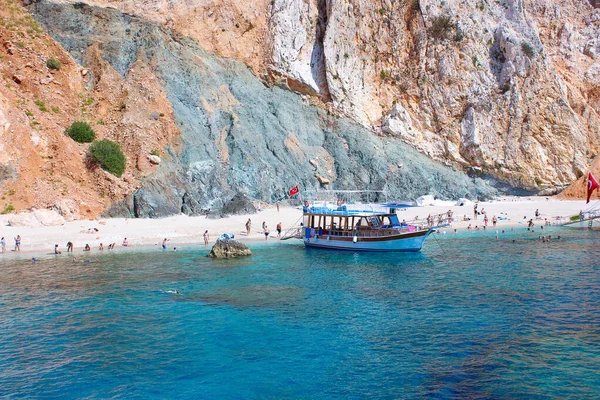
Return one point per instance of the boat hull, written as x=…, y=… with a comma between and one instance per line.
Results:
x=412, y=241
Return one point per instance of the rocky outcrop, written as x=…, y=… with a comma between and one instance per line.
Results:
x=239, y=204
x=236, y=133
x=229, y=249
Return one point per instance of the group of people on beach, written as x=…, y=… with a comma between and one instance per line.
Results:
x=70, y=247
x=17, y=244
x=265, y=228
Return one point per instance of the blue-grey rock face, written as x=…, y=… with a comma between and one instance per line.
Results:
x=238, y=135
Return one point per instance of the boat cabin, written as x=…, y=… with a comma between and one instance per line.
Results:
x=361, y=224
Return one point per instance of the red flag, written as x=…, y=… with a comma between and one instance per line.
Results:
x=592, y=185
x=294, y=191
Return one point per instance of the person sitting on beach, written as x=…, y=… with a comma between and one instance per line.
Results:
x=56, y=251
x=101, y=247
x=87, y=247
x=125, y=242
x=164, y=243
x=111, y=246
x=69, y=247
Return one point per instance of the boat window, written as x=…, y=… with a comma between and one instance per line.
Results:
x=374, y=221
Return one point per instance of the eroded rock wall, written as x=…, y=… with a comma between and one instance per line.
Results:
x=236, y=133
x=509, y=87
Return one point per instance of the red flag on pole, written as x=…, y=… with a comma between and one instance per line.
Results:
x=294, y=191
x=592, y=185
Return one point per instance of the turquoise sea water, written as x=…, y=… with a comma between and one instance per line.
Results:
x=468, y=317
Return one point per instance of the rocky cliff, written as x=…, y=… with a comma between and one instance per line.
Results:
x=236, y=133
x=256, y=96
x=509, y=87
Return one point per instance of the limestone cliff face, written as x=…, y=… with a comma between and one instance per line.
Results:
x=509, y=87
x=236, y=134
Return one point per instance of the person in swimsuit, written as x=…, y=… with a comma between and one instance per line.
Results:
x=248, y=226
x=87, y=247
x=206, y=237
x=18, y=243
x=3, y=244
x=125, y=242
x=164, y=243
x=279, y=230
x=266, y=231
x=101, y=247
x=69, y=247
x=56, y=251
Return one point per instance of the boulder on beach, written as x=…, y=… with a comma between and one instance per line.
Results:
x=239, y=204
x=229, y=249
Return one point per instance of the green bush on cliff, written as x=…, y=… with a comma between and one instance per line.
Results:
x=81, y=132
x=109, y=155
x=528, y=49
x=53, y=63
x=442, y=27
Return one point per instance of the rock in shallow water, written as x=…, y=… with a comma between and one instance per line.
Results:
x=229, y=249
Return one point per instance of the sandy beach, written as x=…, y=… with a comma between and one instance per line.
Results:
x=183, y=230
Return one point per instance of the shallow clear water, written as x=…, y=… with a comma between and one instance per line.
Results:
x=468, y=317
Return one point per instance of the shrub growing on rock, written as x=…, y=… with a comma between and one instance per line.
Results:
x=81, y=132
x=441, y=27
x=109, y=155
x=53, y=63
x=528, y=49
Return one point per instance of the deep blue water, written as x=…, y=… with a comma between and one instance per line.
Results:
x=468, y=317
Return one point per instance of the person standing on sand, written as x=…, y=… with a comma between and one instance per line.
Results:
x=18, y=243
x=248, y=226
x=279, y=230
x=277, y=204
x=206, y=237
x=164, y=243
x=494, y=221
x=266, y=231
x=69, y=247
x=475, y=211
x=485, y=219
x=3, y=244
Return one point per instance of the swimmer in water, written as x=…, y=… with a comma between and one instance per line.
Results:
x=176, y=292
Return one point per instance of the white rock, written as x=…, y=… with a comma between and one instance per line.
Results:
x=67, y=208
x=154, y=159
x=398, y=123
